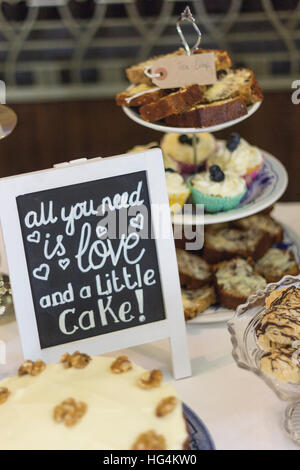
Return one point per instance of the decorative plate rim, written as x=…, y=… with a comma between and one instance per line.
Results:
x=189, y=413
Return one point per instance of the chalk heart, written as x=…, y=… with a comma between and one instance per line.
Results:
x=100, y=231
x=42, y=272
x=34, y=237
x=137, y=221
x=64, y=263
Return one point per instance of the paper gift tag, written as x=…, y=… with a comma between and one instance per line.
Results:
x=184, y=70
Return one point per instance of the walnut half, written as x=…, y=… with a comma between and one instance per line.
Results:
x=166, y=406
x=120, y=365
x=32, y=368
x=4, y=394
x=150, y=379
x=150, y=441
x=69, y=411
x=77, y=360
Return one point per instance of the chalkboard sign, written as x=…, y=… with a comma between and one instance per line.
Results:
x=87, y=269
x=84, y=283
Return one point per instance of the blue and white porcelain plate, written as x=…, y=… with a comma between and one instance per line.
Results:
x=266, y=189
x=217, y=313
x=200, y=438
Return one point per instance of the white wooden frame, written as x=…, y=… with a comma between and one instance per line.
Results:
x=173, y=327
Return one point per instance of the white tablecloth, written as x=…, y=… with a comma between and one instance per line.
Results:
x=237, y=407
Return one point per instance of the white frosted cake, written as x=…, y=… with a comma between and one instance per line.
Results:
x=90, y=403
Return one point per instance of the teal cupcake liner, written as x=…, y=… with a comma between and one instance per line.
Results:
x=214, y=203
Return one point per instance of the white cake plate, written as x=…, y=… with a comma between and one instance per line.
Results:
x=161, y=127
x=266, y=189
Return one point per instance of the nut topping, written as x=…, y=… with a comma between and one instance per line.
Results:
x=166, y=406
x=150, y=441
x=32, y=368
x=77, y=360
x=150, y=379
x=4, y=393
x=69, y=412
x=120, y=365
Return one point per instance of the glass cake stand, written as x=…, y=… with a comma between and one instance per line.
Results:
x=247, y=352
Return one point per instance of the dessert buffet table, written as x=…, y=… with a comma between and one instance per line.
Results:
x=238, y=408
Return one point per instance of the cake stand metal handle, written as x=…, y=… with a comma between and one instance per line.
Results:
x=186, y=15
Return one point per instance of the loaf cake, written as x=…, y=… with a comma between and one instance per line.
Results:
x=235, y=280
x=277, y=263
x=211, y=114
x=85, y=403
x=265, y=223
x=228, y=243
x=195, y=301
x=173, y=103
x=139, y=95
x=235, y=83
x=194, y=272
x=136, y=73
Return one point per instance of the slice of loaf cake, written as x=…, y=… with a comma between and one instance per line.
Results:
x=235, y=280
x=195, y=301
x=194, y=272
x=228, y=243
x=265, y=223
x=211, y=114
x=235, y=83
x=139, y=95
x=277, y=263
x=173, y=103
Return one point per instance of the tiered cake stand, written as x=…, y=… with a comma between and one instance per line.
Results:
x=266, y=189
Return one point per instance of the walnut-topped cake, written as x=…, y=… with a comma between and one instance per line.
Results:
x=90, y=403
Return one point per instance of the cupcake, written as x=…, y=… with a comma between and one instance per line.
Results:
x=217, y=190
x=238, y=156
x=179, y=148
x=140, y=148
x=178, y=190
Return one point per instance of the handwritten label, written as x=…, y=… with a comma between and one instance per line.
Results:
x=84, y=281
x=184, y=70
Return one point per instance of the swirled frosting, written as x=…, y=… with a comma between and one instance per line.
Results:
x=184, y=153
x=175, y=183
x=232, y=185
x=244, y=159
